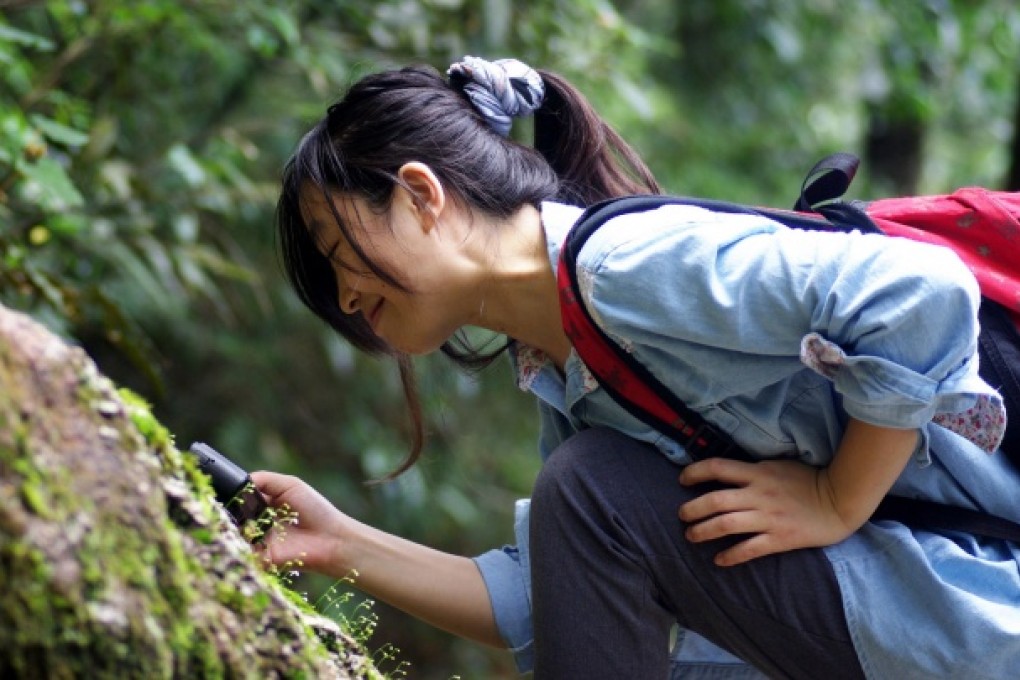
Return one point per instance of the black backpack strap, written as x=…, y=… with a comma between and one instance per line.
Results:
x=823, y=189
x=914, y=512
x=999, y=366
x=827, y=181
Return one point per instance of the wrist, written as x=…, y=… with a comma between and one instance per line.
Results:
x=852, y=513
x=330, y=549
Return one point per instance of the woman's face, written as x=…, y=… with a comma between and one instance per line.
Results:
x=405, y=242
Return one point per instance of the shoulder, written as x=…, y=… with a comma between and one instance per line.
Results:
x=679, y=233
x=642, y=266
x=633, y=258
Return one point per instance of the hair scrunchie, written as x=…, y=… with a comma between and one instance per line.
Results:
x=500, y=90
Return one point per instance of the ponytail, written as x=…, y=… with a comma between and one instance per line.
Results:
x=592, y=161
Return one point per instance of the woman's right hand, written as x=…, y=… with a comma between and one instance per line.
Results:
x=445, y=590
x=313, y=539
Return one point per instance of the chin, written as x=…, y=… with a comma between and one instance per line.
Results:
x=417, y=339
x=419, y=348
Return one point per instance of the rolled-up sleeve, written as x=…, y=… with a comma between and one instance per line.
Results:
x=507, y=571
x=507, y=577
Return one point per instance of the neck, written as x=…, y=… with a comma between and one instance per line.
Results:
x=519, y=296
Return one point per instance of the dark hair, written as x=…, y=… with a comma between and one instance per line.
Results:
x=388, y=119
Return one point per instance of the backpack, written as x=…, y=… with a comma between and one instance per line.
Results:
x=981, y=226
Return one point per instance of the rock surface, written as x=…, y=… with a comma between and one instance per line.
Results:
x=115, y=561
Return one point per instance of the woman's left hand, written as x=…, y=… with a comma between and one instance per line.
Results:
x=782, y=505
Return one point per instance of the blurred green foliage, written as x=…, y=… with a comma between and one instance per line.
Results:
x=141, y=140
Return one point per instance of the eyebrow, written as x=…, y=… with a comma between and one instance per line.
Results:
x=315, y=227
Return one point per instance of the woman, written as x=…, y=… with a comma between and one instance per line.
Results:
x=407, y=213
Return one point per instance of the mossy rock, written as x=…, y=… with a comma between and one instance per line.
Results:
x=115, y=560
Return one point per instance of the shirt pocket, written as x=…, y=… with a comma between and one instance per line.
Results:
x=755, y=423
x=589, y=405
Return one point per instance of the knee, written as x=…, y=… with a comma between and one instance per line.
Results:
x=577, y=464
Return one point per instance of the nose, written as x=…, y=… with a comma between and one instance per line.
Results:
x=349, y=297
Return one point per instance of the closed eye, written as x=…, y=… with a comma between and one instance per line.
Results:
x=336, y=258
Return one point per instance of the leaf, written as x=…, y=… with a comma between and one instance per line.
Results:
x=161, y=265
x=19, y=37
x=58, y=132
x=47, y=185
x=187, y=166
x=135, y=271
x=52, y=291
x=117, y=175
x=218, y=264
x=457, y=505
x=285, y=25
x=14, y=130
x=67, y=223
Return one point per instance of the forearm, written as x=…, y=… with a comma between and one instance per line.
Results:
x=785, y=504
x=868, y=461
x=444, y=590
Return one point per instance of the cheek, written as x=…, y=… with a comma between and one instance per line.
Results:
x=420, y=324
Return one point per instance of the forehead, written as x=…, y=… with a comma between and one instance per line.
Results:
x=316, y=211
x=320, y=212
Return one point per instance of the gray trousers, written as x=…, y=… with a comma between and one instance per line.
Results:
x=612, y=572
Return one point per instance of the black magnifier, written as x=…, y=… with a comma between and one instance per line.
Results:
x=233, y=486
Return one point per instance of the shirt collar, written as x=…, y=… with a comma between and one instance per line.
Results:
x=557, y=219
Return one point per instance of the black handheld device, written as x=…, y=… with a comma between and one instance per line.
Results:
x=231, y=483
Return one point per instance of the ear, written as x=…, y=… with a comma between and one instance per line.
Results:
x=429, y=198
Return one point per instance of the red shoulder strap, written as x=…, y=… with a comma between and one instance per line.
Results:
x=627, y=381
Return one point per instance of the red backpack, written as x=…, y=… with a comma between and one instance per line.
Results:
x=981, y=226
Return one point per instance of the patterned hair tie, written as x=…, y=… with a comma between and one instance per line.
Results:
x=499, y=90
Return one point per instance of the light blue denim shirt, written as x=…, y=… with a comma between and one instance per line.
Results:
x=777, y=336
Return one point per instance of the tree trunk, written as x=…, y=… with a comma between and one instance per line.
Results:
x=894, y=151
x=1013, y=178
x=114, y=559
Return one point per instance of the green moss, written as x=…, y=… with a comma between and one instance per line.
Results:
x=169, y=568
x=140, y=413
x=200, y=659
x=16, y=448
x=34, y=625
x=38, y=489
x=34, y=498
x=260, y=601
x=132, y=596
x=298, y=601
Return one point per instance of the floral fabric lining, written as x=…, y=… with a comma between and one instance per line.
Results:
x=983, y=423
x=531, y=362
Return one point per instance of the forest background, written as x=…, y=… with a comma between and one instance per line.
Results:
x=141, y=143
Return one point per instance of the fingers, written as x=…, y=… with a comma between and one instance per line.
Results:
x=748, y=509
x=762, y=538
x=722, y=470
x=727, y=524
x=745, y=551
x=714, y=503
